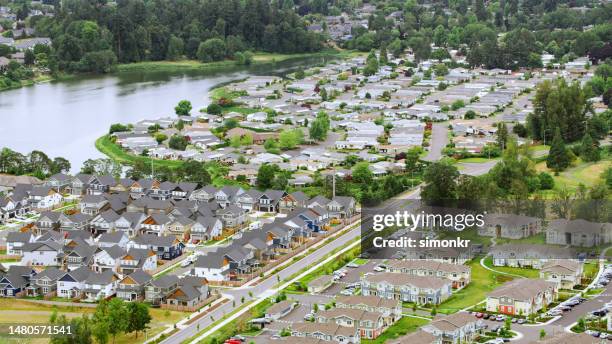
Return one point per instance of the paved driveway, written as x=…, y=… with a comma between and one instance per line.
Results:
x=437, y=142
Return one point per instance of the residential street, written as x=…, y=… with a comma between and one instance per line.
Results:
x=439, y=140
x=267, y=286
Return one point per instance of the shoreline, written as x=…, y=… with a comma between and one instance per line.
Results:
x=259, y=58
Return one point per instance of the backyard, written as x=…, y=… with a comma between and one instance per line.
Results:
x=483, y=282
x=404, y=326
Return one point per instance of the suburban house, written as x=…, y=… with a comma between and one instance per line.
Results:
x=328, y=332
x=390, y=309
x=566, y=273
x=15, y=281
x=510, y=226
x=522, y=297
x=459, y=275
x=529, y=255
x=166, y=247
x=578, y=232
x=407, y=288
x=158, y=289
x=370, y=325
x=44, y=283
x=16, y=240
x=132, y=286
x=461, y=327
x=72, y=283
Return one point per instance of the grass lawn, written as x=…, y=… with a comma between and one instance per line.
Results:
x=31, y=312
x=587, y=173
x=591, y=269
x=404, y=326
x=483, y=282
x=470, y=234
x=161, y=320
x=527, y=273
x=534, y=239
x=360, y=261
x=113, y=151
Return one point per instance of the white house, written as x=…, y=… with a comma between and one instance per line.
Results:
x=41, y=254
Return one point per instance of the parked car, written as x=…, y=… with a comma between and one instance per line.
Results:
x=495, y=341
x=185, y=263
x=592, y=333
x=486, y=316
x=500, y=318
x=379, y=269
x=514, y=320
x=239, y=337
x=521, y=321
x=352, y=265
x=347, y=292
x=308, y=316
x=479, y=315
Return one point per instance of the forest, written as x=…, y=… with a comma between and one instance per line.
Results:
x=95, y=35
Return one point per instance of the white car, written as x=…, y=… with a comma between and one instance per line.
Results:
x=379, y=269
x=495, y=341
x=185, y=263
x=346, y=292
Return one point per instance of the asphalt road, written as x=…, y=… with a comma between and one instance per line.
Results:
x=264, y=288
x=439, y=140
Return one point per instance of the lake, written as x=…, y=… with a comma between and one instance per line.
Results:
x=65, y=118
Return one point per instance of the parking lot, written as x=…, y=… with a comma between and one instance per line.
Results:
x=353, y=274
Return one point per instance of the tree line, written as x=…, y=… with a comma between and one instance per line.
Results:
x=507, y=34
x=94, y=36
x=35, y=163
x=110, y=319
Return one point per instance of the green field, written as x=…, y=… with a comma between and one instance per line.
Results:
x=534, y=239
x=587, y=173
x=404, y=326
x=483, y=282
x=113, y=151
x=527, y=273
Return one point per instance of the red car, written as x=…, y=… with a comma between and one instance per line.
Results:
x=479, y=315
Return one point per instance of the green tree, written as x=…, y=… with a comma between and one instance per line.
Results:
x=440, y=180
x=290, y=138
x=502, y=135
x=212, y=49
x=542, y=334
x=440, y=69
x=558, y=156
x=183, y=108
x=372, y=66
x=175, y=48
x=178, y=142
x=412, y=159
x=588, y=149
x=159, y=137
x=214, y=109
x=319, y=127
x=361, y=173
x=470, y=114
x=546, y=181
x=383, y=59
x=138, y=317
x=300, y=74
x=265, y=176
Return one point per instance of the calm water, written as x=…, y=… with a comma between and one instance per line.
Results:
x=65, y=118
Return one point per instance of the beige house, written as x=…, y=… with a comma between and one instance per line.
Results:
x=390, y=309
x=565, y=273
x=457, y=328
x=459, y=275
x=522, y=297
x=369, y=324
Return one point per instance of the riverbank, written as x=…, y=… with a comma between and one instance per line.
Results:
x=259, y=58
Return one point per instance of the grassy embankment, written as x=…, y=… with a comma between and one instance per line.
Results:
x=194, y=65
